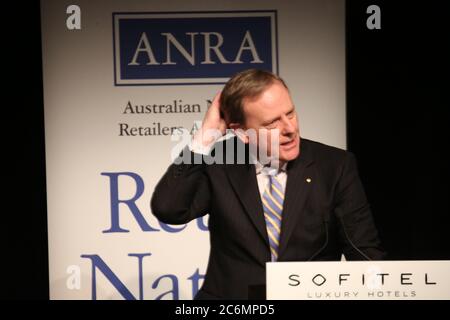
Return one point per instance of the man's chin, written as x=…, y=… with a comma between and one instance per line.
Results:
x=289, y=156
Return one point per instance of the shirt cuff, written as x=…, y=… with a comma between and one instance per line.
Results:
x=197, y=147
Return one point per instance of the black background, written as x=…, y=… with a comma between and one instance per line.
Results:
x=397, y=120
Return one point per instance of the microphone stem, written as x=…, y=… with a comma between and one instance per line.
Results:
x=351, y=242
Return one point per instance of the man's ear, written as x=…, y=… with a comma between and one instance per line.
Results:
x=239, y=131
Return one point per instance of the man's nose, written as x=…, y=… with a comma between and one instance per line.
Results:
x=288, y=126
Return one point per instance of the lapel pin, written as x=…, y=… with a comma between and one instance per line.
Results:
x=308, y=180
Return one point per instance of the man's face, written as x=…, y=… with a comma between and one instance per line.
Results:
x=274, y=109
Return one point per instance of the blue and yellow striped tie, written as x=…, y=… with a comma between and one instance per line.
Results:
x=273, y=199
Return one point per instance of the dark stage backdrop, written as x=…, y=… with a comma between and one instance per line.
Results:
x=398, y=123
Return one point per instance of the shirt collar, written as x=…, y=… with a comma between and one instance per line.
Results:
x=268, y=170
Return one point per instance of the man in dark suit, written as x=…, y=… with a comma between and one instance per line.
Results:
x=306, y=202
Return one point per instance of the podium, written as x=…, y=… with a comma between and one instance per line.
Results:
x=361, y=280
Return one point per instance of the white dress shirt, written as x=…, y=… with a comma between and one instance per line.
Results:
x=263, y=173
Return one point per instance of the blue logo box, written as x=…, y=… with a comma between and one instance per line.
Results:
x=173, y=48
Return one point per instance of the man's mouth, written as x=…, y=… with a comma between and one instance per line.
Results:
x=289, y=144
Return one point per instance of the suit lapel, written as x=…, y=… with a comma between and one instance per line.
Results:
x=244, y=182
x=296, y=194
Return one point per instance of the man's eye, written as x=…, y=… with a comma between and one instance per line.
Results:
x=271, y=125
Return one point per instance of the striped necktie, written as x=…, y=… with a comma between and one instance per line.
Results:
x=273, y=199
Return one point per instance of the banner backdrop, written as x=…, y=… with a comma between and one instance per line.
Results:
x=120, y=77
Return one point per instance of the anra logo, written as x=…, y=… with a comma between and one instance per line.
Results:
x=192, y=47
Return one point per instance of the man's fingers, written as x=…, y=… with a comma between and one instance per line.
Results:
x=216, y=100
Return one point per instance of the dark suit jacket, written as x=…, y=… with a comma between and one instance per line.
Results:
x=314, y=214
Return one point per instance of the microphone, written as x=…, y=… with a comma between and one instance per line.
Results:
x=325, y=222
x=341, y=220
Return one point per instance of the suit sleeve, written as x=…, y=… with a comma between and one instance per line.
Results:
x=355, y=220
x=183, y=193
